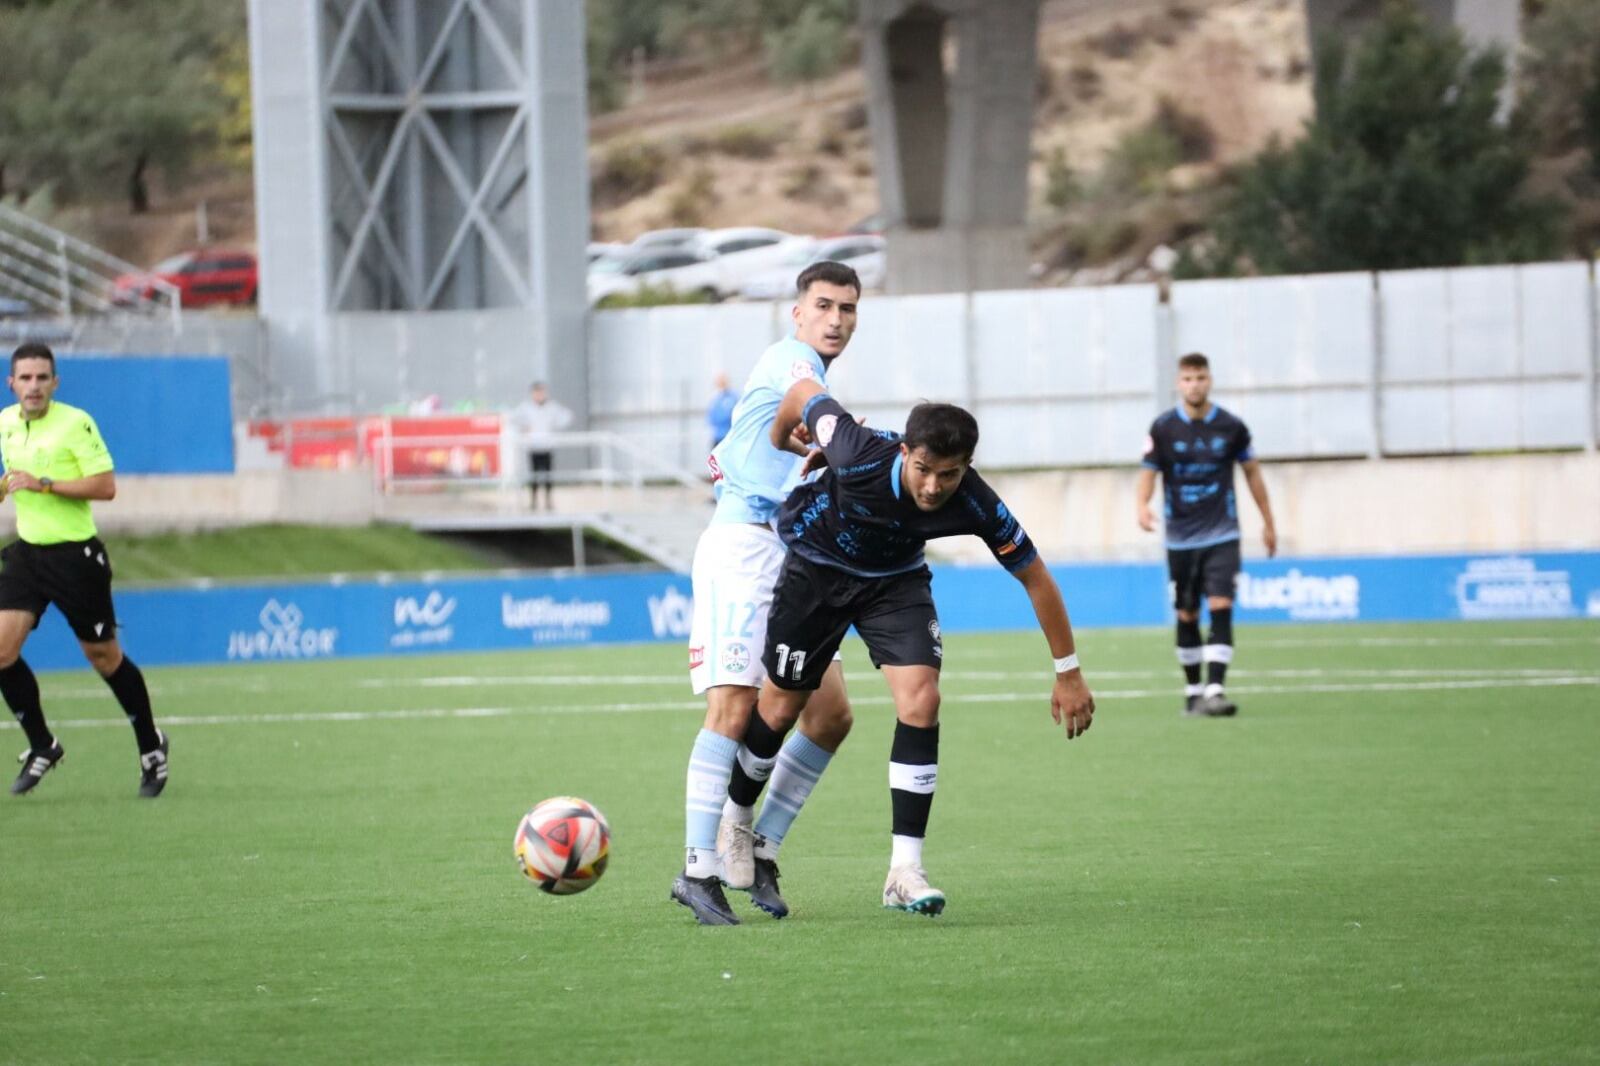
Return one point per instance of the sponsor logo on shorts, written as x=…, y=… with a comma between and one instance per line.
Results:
x=697, y=657
x=825, y=427
x=933, y=629
x=736, y=658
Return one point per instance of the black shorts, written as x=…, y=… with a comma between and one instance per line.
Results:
x=1196, y=572
x=813, y=606
x=75, y=576
x=539, y=463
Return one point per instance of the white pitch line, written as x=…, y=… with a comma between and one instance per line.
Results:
x=184, y=688
x=1041, y=696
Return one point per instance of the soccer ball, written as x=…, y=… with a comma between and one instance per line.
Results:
x=563, y=845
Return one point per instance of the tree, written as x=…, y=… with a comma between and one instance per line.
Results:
x=811, y=47
x=93, y=93
x=1405, y=165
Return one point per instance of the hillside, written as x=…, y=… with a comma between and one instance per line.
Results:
x=720, y=145
x=732, y=149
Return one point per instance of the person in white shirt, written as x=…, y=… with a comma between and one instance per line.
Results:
x=536, y=420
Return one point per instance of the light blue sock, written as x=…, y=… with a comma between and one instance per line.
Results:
x=710, y=766
x=800, y=764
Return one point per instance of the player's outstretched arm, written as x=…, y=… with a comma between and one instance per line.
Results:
x=1258, y=490
x=1143, y=489
x=791, y=409
x=1071, y=703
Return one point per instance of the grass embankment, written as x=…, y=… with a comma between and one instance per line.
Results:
x=285, y=551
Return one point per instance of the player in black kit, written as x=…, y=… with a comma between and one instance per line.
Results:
x=855, y=537
x=1194, y=446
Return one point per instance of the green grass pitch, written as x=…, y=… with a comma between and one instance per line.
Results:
x=1391, y=855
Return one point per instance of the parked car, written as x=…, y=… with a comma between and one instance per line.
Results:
x=203, y=278
x=600, y=248
x=657, y=239
x=682, y=269
x=741, y=252
x=10, y=308
x=863, y=252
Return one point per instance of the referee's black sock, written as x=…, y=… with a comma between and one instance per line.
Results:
x=127, y=684
x=1189, y=650
x=1219, y=646
x=21, y=691
x=757, y=754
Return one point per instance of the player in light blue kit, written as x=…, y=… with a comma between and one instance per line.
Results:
x=736, y=564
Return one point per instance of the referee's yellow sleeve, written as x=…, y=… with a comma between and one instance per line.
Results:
x=89, y=448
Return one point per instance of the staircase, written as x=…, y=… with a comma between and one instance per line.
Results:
x=47, y=273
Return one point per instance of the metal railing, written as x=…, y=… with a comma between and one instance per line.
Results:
x=59, y=274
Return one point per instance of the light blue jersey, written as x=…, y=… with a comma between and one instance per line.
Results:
x=753, y=477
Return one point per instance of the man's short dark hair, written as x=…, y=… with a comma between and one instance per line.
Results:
x=1194, y=361
x=944, y=429
x=829, y=271
x=33, y=350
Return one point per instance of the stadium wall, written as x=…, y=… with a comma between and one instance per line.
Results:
x=1327, y=366
x=371, y=618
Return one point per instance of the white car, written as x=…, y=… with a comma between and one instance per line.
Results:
x=684, y=270
x=741, y=252
x=658, y=239
x=863, y=252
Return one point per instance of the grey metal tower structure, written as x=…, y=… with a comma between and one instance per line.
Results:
x=416, y=157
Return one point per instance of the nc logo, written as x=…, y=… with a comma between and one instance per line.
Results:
x=433, y=611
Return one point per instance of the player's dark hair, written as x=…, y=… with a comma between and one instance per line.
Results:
x=829, y=271
x=33, y=350
x=1194, y=361
x=943, y=429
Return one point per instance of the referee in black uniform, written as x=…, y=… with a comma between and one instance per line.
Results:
x=1194, y=447
x=55, y=463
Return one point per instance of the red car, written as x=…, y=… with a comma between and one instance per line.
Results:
x=202, y=278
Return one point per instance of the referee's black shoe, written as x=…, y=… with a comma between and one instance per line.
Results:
x=153, y=770
x=703, y=895
x=35, y=764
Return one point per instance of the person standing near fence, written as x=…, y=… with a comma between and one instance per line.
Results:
x=719, y=414
x=1194, y=447
x=55, y=463
x=536, y=420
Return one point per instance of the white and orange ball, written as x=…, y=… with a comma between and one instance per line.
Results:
x=563, y=845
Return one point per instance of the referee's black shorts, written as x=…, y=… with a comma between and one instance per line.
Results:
x=74, y=575
x=813, y=606
x=1196, y=572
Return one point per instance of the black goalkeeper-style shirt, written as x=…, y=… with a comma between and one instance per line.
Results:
x=1196, y=457
x=856, y=516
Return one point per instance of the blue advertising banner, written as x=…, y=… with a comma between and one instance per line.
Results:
x=158, y=414
x=269, y=623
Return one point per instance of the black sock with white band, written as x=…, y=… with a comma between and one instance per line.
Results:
x=1218, y=651
x=127, y=684
x=1189, y=655
x=757, y=754
x=913, y=774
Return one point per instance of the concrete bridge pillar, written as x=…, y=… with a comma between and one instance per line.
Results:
x=950, y=99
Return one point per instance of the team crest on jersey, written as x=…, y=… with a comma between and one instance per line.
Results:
x=1217, y=443
x=825, y=427
x=802, y=369
x=735, y=658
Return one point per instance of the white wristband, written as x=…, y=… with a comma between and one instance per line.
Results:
x=1067, y=662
